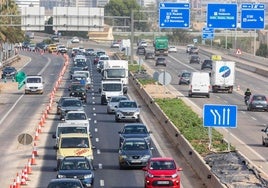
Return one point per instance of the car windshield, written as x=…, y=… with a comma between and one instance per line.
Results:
x=116, y=73
x=72, y=103
x=33, y=80
x=135, y=130
x=74, y=143
x=162, y=165
x=75, y=165
x=259, y=98
x=135, y=145
x=76, y=116
x=66, y=130
x=127, y=104
x=186, y=74
x=117, y=99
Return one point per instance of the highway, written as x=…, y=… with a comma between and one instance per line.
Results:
x=25, y=114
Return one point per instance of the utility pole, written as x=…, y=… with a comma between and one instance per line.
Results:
x=132, y=37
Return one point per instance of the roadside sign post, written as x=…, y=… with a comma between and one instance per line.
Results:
x=219, y=116
x=174, y=15
x=208, y=33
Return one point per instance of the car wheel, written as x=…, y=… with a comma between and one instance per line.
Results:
x=117, y=119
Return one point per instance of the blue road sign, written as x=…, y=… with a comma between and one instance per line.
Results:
x=208, y=33
x=223, y=16
x=174, y=15
x=252, y=16
x=220, y=116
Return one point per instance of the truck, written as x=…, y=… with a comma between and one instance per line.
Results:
x=109, y=88
x=115, y=69
x=222, y=76
x=161, y=46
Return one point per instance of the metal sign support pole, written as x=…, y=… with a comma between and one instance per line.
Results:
x=210, y=138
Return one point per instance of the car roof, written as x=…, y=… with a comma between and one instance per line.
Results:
x=162, y=159
x=134, y=124
x=65, y=180
x=77, y=135
x=71, y=124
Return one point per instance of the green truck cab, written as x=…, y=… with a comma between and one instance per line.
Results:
x=161, y=46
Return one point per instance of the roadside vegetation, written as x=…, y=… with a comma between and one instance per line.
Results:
x=186, y=120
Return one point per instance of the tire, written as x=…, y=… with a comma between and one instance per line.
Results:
x=116, y=119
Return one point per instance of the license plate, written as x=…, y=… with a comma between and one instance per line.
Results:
x=135, y=161
x=163, y=182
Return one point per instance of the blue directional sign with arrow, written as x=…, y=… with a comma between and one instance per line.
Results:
x=220, y=116
x=207, y=33
x=174, y=15
x=223, y=16
x=252, y=16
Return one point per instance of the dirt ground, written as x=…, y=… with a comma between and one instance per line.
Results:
x=158, y=91
x=9, y=85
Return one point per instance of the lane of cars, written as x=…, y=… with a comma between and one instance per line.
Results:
x=135, y=147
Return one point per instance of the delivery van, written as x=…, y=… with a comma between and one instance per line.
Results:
x=199, y=84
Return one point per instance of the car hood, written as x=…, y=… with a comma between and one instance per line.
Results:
x=134, y=135
x=162, y=172
x=75, y=152
x=136, y=152
x=128, y=109
x=74, y=172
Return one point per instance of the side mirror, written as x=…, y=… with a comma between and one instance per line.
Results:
x=54, y=136
x=99, y=90
x=125, y=88
x=56, y=147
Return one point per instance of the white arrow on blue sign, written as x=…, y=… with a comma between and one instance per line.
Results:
x=222, y=16
x=220, y=116
x=252, y=16
x=174, y=15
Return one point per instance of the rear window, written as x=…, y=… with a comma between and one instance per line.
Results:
x=259, y=98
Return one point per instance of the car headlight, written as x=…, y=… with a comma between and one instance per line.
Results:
x=146, y=157
x=87, y=176
x=61, y=176
x=123, y=156
x=174, y=175
x=150, y=175
x=72, y=93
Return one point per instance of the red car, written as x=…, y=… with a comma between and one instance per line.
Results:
x=161, y=172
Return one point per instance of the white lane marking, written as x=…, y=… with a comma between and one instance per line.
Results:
x=253, y=118
x=94, y=114
x=93, y=102
x=96, y=129
x=95, y=121
x=93, y=109
x=100, y=166
x=97, y=139
x=98, y=152
x=102, y=183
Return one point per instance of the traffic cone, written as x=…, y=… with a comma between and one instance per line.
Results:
x=23, y=180
x=39, y=129
x=35, y=149
x=36, y=135
x=18, y=181
x=29, y=167
x=14, y=184
x=26, y=173
x=33, y=162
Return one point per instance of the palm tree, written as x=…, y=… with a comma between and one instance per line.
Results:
x=9, y=33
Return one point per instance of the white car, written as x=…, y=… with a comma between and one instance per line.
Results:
x=172, y=49
x=143, y=43
x=75, y=40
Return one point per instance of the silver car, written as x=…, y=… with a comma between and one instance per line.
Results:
x=113, y=102
x=127, y=110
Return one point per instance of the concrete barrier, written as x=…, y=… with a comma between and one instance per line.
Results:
x=10, y=61
x=178, y=140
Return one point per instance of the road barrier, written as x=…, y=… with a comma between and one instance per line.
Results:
x=178, y=140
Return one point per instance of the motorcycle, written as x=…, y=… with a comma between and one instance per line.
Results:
x=246, y=98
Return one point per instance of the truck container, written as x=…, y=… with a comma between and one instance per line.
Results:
x=223, y=76
x=161, y=46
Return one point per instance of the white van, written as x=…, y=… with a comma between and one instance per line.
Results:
x=199, y=84
x=66, y=128
x=34, y=84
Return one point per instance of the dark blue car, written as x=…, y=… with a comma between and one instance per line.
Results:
x=77, y=167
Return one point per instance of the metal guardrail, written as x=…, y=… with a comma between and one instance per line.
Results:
x=9, y=61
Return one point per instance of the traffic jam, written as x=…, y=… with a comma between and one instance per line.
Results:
x=74, y=148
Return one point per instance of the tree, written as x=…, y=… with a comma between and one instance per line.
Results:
x=9, y=33
x=262, y=51
x=120, y=13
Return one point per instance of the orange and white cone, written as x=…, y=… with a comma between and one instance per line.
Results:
x=36, y=135
x=18, y=181
x=14, y=184
x=33, y=162
x=23, y=180
x=26, y=174
x=35, y=149
x=29, y=167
